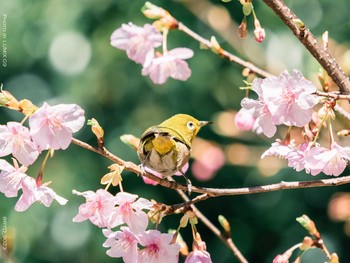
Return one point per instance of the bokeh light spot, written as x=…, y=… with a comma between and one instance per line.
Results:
x=70, y=53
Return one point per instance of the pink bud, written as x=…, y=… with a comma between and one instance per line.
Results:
x=259, y=32
x=244, y=120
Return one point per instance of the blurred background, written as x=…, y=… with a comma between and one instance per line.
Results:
x=59, y=52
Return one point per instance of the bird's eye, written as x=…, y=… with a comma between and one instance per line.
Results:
x=190, y=125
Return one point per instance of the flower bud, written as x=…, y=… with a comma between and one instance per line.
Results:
x=215, y=46
x=97, y=130
x=334, y=258
x=244, y=120
x=242, y=29
x=299, y=24
x=153, y=12
x=27, y=107
x=11, y=101
x=307, y=243
x=259, y=32
x=309, y=225
x=3, y=100
x=325, y=39
x=225, y=224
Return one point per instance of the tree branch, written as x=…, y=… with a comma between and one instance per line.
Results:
x=213, y=192
x=320, y=53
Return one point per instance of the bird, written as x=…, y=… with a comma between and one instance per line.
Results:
x=166, y=148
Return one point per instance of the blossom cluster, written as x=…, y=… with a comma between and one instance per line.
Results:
x=286, y=99
x=289, y=99
x=140, y=43
x=50, y=127
x=132, y=241
x=313, y=158
x=126, y=210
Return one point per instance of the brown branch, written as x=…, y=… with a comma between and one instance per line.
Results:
x=316, y=48
x=332, y=95
x=213, y=192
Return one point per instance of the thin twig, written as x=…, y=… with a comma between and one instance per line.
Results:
x=223, y=53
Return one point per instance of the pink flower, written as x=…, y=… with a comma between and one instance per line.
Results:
x=138, y=42
x=36, y=193
x=11, y=178
x=15, y=139
x=53, y=126
x=330, y=161
x=129, y=211
x=289, y=98
x=244, y=120
x=99, y=208
x=296, y=158
x=158, y=248
x=280, y=149
x=302, y=158
x=286, y=99
x=170, y=64
x=122, y=244
x=198, y=256
x=264, y=121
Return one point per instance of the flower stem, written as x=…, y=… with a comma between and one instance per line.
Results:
x=39, y=178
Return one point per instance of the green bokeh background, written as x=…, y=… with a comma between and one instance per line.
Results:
x=111, y=89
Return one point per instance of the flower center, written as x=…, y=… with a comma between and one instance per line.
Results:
x=153, y=249
x=126, y=209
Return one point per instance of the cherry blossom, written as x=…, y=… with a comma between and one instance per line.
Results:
x=286, y=99
x=170, y=64
x=15, y=139
x=129, y=211
x=138, y=42
x=36, y=193
x=122, y=244
x=53, y=126
x=289, y=98
x=99, y=208
x=264, y=122
x=330, y=161
x=158, y=248
x=11, y=178
x=280, y=149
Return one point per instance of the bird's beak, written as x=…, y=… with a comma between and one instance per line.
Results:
x=203, y=123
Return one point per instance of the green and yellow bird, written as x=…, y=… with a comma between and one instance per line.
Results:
x=166, y=148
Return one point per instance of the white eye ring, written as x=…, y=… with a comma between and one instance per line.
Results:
x=190, y=125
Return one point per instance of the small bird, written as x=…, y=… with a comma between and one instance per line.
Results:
x=166, y=148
